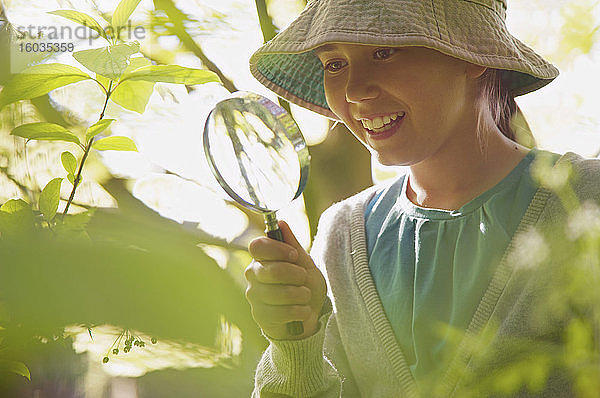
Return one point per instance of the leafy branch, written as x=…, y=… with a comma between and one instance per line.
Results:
x=124, y=79
x=177, y=18
x=68, y=160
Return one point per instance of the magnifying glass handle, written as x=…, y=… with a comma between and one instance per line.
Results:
x=294, y=328
x=275, y=234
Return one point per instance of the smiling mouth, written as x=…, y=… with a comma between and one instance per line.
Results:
x=378, y=130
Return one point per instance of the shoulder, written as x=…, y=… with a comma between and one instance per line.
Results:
x=584, y=174
x=588, y=168
x=572, y=177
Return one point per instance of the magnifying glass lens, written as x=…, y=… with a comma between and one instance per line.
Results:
x=260, y=167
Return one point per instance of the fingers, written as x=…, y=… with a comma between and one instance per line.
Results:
x=290, y=250
x=280, y=314
x=278, y=294
x=304, y=258
x=276, y=273
x=284, y=285
x=268, y=249
x=288, y=235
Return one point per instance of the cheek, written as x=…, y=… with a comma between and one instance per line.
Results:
x=334, y=98
x=434, y=103
x=449, y=103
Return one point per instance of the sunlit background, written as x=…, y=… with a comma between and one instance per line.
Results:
x=169, y=172
x=564, y=116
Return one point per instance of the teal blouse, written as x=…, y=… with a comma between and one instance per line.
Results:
x=431, y=266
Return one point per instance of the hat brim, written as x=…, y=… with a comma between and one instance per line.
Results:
x=289, y=66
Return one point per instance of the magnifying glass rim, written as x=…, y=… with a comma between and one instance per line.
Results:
x=292, y=132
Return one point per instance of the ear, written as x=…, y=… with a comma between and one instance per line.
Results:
x=474, y=71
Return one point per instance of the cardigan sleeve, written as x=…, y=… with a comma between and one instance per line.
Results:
x=312, y=367
x=317, y=366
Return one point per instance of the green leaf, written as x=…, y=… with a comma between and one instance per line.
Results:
x=97, y=128
x=171, y=74
x=43, y=131
x=105, y=81
x=16, y=216
x=109, y=61
x=15, y=367
x=71, y=178
x=75, y=222
x=115, y=143
x=134, y=95
x=82, y=19
x=49, y=198
x=14, y=206
x=69, y=162
x=122, y=13
x=39, y=80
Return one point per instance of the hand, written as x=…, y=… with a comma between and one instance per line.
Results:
x=284, y=285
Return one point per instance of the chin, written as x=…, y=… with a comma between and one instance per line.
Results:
x=392, y=159
x=387, y=160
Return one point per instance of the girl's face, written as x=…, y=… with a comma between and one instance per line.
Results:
x=405, y=103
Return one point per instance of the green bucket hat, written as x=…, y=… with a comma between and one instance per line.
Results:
x=471, y=30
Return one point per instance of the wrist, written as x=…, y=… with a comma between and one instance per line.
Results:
x=311, y=328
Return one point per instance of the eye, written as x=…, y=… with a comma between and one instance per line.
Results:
x=334, y=66
x=383, y=53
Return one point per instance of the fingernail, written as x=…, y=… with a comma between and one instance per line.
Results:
x=293, y=254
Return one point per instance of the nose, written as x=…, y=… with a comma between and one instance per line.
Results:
x=360, y=85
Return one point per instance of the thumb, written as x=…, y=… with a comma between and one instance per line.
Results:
x=304, y=258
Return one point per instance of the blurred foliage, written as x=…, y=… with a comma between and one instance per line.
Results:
x=124, y=266
x=580, y=28
x=119, y=267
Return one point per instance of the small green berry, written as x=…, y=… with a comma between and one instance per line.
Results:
x=153, y=340
x=105, y=359
x=116, y=351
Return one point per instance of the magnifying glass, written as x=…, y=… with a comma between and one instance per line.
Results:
x=258, y=155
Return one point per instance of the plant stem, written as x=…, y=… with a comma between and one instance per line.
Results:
x=264, y=19
x=269, y=30
x=85, y=153
x=178, y=18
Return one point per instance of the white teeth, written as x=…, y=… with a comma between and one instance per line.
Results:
x=379, y=122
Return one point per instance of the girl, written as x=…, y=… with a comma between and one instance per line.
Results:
x=417, y=287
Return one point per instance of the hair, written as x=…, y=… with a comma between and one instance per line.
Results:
x=495, y=97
